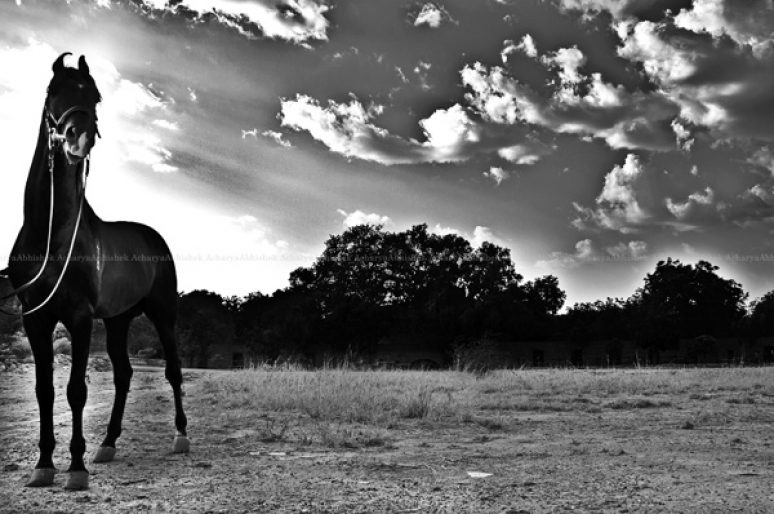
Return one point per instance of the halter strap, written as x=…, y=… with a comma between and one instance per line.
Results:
x=55, y=124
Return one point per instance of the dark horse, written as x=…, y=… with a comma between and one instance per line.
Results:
x=92, y=269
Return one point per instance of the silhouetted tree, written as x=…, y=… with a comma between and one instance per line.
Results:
x=203, y=322
x=682, y=300
x=761, y=317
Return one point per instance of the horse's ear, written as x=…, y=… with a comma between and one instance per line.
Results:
x=59, y=63
x=82, y=66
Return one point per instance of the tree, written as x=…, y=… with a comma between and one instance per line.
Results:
x=761, y=318
x=203, y=322
x=544, y=294
x=685, y=301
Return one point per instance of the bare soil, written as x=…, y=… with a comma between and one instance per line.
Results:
x=678, y=453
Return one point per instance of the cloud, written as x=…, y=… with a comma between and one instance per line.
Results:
x=526, y=46
x=585, y=252
x=764, y=158
x=712, y=59
x=348, y=129
x=167, y=125
x=633, y=250
x=747, y=23
x=724, y=87
x=430, y=16
x=295, y=21
x=681, y=210
x=479, y=235
x=526, y=153
x=623, y=119
x=568, y=60
x=358, y=217
x=277, y=137
x=497, y=174
x=253, y=132
x=617, y=205
x=625, y=9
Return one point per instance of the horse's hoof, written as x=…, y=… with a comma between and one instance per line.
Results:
x=41, y=477
x=77, y=481
x=181, y=444
x=105, y=454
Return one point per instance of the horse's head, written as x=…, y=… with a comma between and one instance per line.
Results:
x=71, y=109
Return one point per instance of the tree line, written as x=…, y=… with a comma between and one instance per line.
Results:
x=371, y=285
x=437, y=291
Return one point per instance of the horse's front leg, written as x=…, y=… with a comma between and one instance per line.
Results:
x=80, y=332
x=39, y=329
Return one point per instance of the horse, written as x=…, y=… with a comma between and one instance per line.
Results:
x=68, y=265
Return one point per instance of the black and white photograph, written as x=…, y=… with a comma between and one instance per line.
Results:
x=387, y=256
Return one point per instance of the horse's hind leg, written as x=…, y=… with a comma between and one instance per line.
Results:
x=117, y=330
x=163, y=318
x=39, y=330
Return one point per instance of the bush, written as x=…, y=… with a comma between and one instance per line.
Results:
x=62, y=346
x=19, y=346
x=480, y=357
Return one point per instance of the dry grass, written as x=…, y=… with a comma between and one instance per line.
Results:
x=387, y=398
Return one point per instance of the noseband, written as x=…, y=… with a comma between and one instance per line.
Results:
x=56, y=126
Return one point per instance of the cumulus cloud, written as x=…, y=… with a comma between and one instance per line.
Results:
x=681, y=210
x=584, y=252
x=526, y=153
x=633, y=250
x=430, y=16
x=747, y=23
x=348, y=129
x=526, y=46
x=497, y=174
x=764, y=158
x=480, y=235
x=358, y=217
x=277, y=137
x=617, y=205
x=724, y=87
x=623, y=119
x=567, y=60
x=295, y=21
x=712, y=59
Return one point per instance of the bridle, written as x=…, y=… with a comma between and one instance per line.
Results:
x=56, y=137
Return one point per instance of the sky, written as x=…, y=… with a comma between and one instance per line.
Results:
x=592, y=138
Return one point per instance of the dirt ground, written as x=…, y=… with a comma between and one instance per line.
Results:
x=616, y=459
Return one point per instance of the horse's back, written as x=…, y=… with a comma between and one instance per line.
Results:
x=134, y=263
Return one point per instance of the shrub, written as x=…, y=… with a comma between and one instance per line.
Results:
x=62, y=346
x=480, y=357
x=19, y=346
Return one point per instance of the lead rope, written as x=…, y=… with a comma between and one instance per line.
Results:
x=72, y=241
x=25, y=286
x=48, y=244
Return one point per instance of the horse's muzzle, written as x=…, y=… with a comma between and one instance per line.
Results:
x=77, y=142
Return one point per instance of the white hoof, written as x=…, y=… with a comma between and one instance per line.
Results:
x=41, y=477
x=105, y=454
x=77, y=481
x=181, y=444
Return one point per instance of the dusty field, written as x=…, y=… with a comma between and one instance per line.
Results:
x=344, y=441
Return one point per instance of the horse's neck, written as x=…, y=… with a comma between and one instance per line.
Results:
x=38, y=192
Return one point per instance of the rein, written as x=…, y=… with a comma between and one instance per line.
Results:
x=55, y=138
